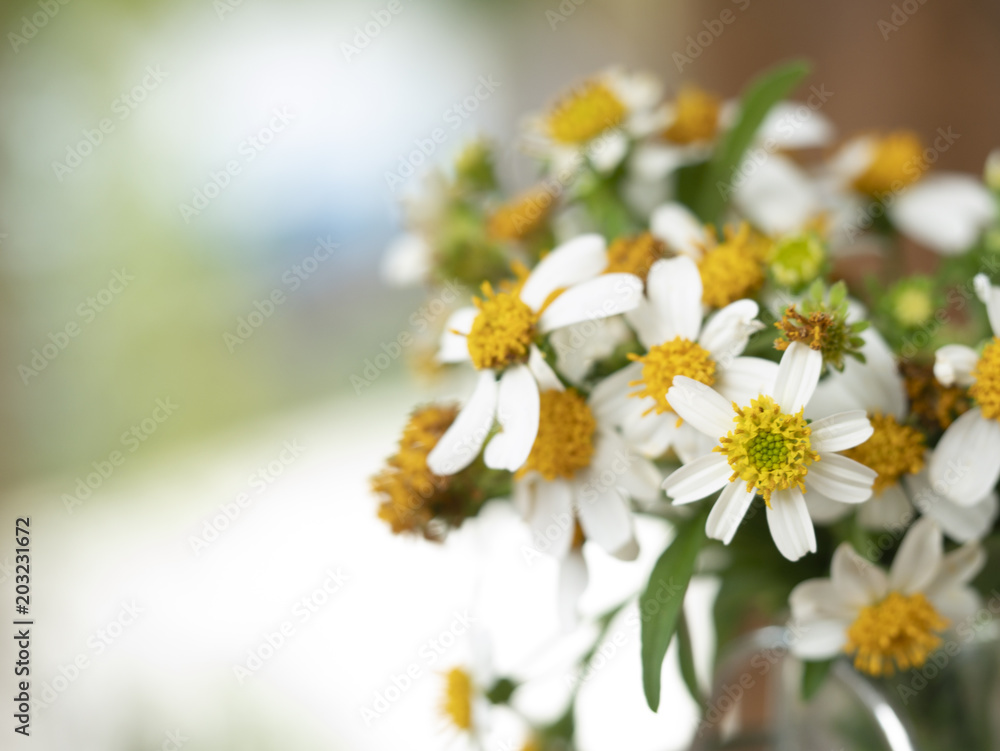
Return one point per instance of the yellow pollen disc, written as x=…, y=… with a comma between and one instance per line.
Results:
x=768, y=450
x=893, y=450
x=696, y=118
x=734, y=269
x=411, y=494
x=585, y=113
x=986, y=389
x=457, y=702
x=501, y=334
x=811, y=330
x=898, y=633
x=679, y=356
x=635, y=255
x=565, y=440
x=521, y=216
x=897, y=162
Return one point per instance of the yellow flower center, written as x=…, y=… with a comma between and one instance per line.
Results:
x=893, y=450
x=897, y=633
x=457, y=702
x=518, y=218
x=733, y=269
x=411, y=494
x=635, y=255
x=898, y=161
x=565, y=440
x=501, y=334
x=797, y=260
x=585, y=113
x=986, y=389
x=768, y=449
x=663, y=362
x=696, y=117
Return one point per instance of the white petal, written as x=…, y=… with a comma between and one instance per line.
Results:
x=653, y=161
x=746, y=378
x=572, y=262
x=698, y=479
x=840, y=478
x=674, y=288
x=794, y=125
x=918, y=559
x=650, y=434
x=573, y=578
x=460, y=444
x=853, y=157
x=407, y=261
x=455, y=346
x=889, y=510
x=825, y=510
x=645, y=320
x=517, y=413
x=679, y=229
x=945, y=212
x=958, y=568
x=726, y=333
x=960, y=523
x=607, y=150
x=610, y=395
x=858, y=581
x=607, y=295
x=544, y=375
x=775, y=194
x=841, y=431
x=818, y=640
x=701, y=406
x=643, y=480
x=728, y=512
x=957, y=604
x=798, y=374
x=791, y=527
x=990, y=295
x=815, y=599
x=552, y=519
x=690, y=444
x=606, y=520
x=964, y=466
x=954, y=363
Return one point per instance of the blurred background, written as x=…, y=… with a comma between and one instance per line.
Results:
x=193, y=204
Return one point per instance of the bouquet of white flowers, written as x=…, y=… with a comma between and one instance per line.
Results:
x=668, y=323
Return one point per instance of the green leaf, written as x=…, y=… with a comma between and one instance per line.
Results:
x=813, y=675
x=762, y=94
x=685, y=655
x=660, y=604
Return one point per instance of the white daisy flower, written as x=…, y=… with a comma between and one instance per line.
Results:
x=765, y=446
x=887, y=622
x=498, y=336
x=580, y=469
x=944, y=211
x=896, y=451
x=966, y=463
x=678, y=342
x=464, y=704
x=596, y=121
